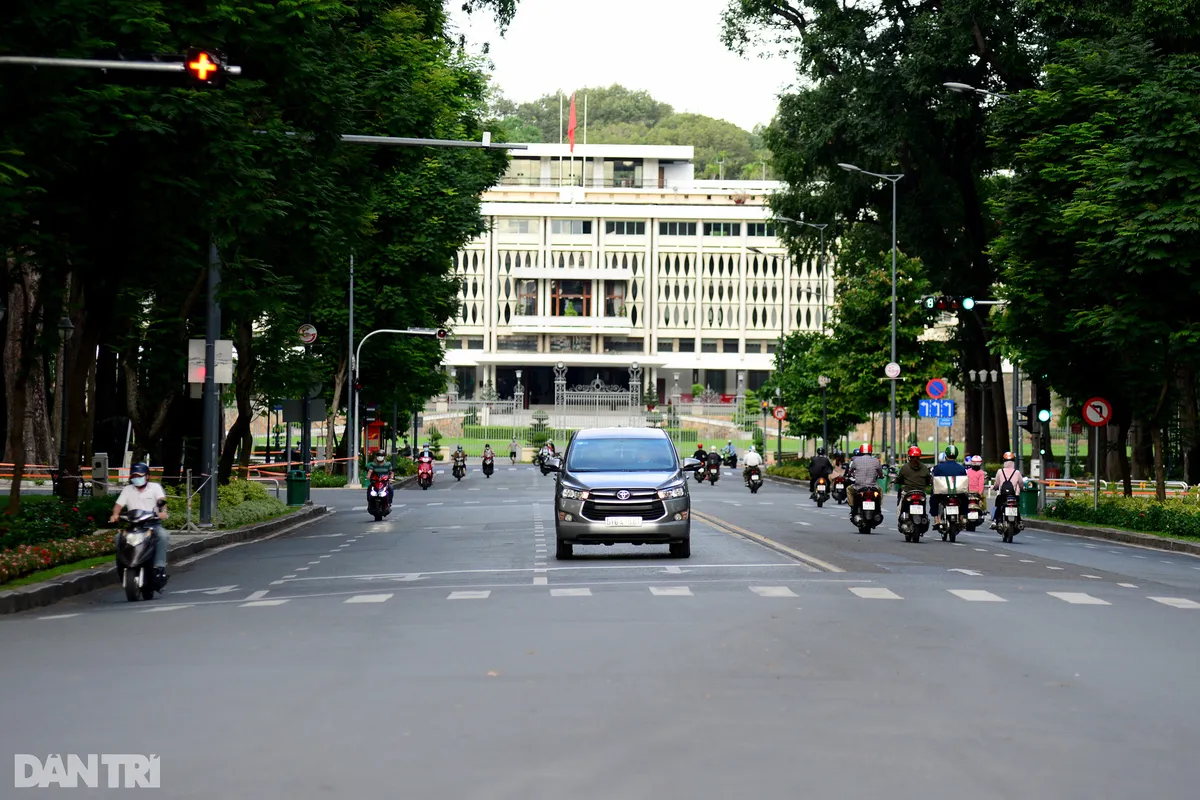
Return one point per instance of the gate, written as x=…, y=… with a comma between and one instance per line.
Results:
x=485, y=420
x=596, y=405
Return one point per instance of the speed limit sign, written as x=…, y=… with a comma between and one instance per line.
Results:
x=780, y=413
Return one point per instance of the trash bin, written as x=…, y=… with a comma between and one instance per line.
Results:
x=1029, y=500
x=297, y=487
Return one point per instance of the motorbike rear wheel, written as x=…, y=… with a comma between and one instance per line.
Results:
x=130, y=584
x=820, y=502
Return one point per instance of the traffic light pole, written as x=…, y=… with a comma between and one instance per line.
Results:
x=208, y=497
x=95, y=63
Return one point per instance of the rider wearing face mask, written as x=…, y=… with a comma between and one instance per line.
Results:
x=142, y=495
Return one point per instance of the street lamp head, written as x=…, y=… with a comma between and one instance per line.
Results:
x=849, y=167
x=65, y=329
x=972, y=374
x=959, y=87
x=823, y=381
x=634, y=365
x=518, y=374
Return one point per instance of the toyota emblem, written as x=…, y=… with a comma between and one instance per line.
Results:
x=622, y=495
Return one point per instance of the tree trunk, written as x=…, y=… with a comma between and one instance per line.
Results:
x=1098, y=443
x=243, y=382
x=332, y=444
x=26, y=399
x=1143, y=451
x=1160, y=476
x=1122, y=454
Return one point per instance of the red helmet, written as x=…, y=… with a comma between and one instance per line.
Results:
x=866, y=448
x=699, y=447
x=914, y=452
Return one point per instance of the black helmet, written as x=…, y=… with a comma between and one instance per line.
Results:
x=820, y=451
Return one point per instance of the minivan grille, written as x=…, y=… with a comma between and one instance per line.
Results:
x=645, y=508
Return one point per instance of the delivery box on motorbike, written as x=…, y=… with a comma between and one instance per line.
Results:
x=950, y=484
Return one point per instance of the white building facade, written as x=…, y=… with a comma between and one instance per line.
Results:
x=615, y=254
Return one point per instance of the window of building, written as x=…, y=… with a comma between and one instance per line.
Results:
x=571, y=299
x=676, y=229
x=722, y=229
x=708, y=345
x=520, y=344
x=666, y=345
x=625, y=174
x=760, y=229
x=619, y=344
x=519, y=225
x=570, y=344
x=523, y=172
x=754, y=346
x=527, y=298
x=571, y=226
x=571, y=173
x=625, y=227
x=771, y=347
x=729, y=346
x=687, y=345
x=614, y=299
x=474, y=342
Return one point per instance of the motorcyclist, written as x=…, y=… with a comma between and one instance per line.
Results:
x=487, y=452
x=864, y=471
x=752, y=459
x=977, y=479
x=729, y=451
x=142, y=495
x=914, y=476
x=1008, y=481
x=383, y=468
x=459, y=458
x=714, y=458
x=819, y=467
x=700, y=454
x=947, y=468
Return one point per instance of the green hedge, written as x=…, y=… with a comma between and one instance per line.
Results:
x=797, y=472
x=45, y=518
x=1176, y=517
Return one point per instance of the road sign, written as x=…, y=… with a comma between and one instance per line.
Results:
x=308, y=333
x=936, y=408
x=936, y=388
x=892, y=370
x=945, y=422
x=780, y=413
x=1076, y=427
x=1097, y=412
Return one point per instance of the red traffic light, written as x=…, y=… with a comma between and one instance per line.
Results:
x=205, y=67
x=441, y=334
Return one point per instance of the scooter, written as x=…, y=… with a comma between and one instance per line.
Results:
x=1009, y=523
x=954, y=512
x=867, y=511
x=425, y=472
x=913, y=517
x=974, y=511
x=714, y=472
x=459, y=470
x=135, y=555
x=821, y=491
x=754, y=479
x=730, y=460
x=839, y=490
x=489, y=466
x=379, y=504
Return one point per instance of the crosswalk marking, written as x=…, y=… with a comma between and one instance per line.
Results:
x=670, y=591
x=59, y=616
x=570, y=592
x=470, y=595
x=369, y=598
x=977, y=595
x=1128, y=585
x=1175, y=602
x=258, y=603
x=872, y=593
x=1079, y=598
x=773, y=591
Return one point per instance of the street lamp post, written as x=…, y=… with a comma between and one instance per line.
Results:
x=778, y=431
x=983, y=379
x=65, y=329
x=823, y=381
x=894, y=180
x=966, y=88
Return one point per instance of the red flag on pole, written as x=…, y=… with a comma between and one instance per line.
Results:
x=571, y=125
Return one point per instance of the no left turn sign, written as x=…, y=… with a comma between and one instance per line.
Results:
x=1097, y=412
x=780, y=413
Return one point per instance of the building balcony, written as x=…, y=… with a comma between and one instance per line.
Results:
x=609, y=325
x=574, y=273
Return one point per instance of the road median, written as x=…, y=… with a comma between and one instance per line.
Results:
x=48, y=592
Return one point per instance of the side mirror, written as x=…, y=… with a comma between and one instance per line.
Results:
x=162, y=503
x=692, y=464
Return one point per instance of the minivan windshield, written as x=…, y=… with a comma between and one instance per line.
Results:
x=621, y=455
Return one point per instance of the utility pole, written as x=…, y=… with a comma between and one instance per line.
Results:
x=212, y=400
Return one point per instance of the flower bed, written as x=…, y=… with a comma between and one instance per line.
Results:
x=32, y=558
x=1176, y=517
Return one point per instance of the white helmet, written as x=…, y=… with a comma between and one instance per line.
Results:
x=752, y=448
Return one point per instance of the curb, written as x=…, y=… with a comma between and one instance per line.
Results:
x=49, y=592
x=788, y=481
x=1149, y=541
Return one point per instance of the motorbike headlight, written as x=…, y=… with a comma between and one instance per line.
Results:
x=134, y=539
x=671, y=492
x=574, y=494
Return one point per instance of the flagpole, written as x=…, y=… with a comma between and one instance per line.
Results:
x=560, y=134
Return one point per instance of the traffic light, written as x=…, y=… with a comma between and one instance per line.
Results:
x=948, y=302
x=1044, y=415
x=441, y=334
x=205, y=68
x=1027, y=417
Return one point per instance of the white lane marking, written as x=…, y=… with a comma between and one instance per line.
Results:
x=301, y=569
x=999, y=555
x=1128, y=585
x=980, y=550
x=288, y=577
x=368, y=598
x=798, y=522
x=977, y=596
x=510, y=501
x=275, y=583
x=320, y=557
x=671, y=591
x=325, y=536
x=1093, y=577
x=1027, y=561
x=1055, y=568
x=872, y=593
x=161, y=608
x=259, y=595
x=1175, y=602
x=313, y=562
x=958, y=544
x=483, y=595
x=570, y=592
x=1164, y=561
x=59, y=616
x=540, y=581
x=258, y=603
x=1079, y=599
x=773, y=591
x=436, y=504
x=1139, y=556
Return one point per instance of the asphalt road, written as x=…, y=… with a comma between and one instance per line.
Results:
x=445, y=653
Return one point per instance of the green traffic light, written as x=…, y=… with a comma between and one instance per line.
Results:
x=968, y=303
x=1044, y=415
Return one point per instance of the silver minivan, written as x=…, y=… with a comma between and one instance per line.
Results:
x=622, y=486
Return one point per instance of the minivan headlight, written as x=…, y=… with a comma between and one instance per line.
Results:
x=671, y=492
x=574, y=494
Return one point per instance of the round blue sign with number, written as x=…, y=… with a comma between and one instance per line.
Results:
x=936, y=388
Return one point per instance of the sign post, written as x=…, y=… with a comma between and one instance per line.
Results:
x=1096, y=412
x=780, y=414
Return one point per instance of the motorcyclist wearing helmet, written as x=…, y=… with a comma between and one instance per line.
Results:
x=752, y=459
x=700, y=454
x=381, y=467
x=977, y=479
x=863, y=473
x=914, y=476
x=142, y=495
x=819, y=467
x=1009, y=480
x=948, y=468
x=488, y=452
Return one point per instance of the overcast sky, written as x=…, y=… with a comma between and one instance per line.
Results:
x=670, y=48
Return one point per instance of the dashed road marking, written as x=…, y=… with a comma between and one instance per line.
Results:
x=773, y=591
x=1176, y=602
x=977, y=595
x=368, y=598
x=874, y=593
x=584, y=592
x=1079, y=598
x=671, y=591
x=482, y=595
x=261, y=603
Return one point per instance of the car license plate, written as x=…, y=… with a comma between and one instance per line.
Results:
x=1010, y=512
x=623, y=522
x=868, y=505
x=918, y=510
x=952, y=511
x=972, y=515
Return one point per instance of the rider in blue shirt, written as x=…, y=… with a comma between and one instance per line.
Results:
x=947, y=468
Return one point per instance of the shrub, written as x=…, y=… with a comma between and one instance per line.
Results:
x=250, y=512
x=1175, y=517
x=791, y=470
x=25, y=559
x=320, y=479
